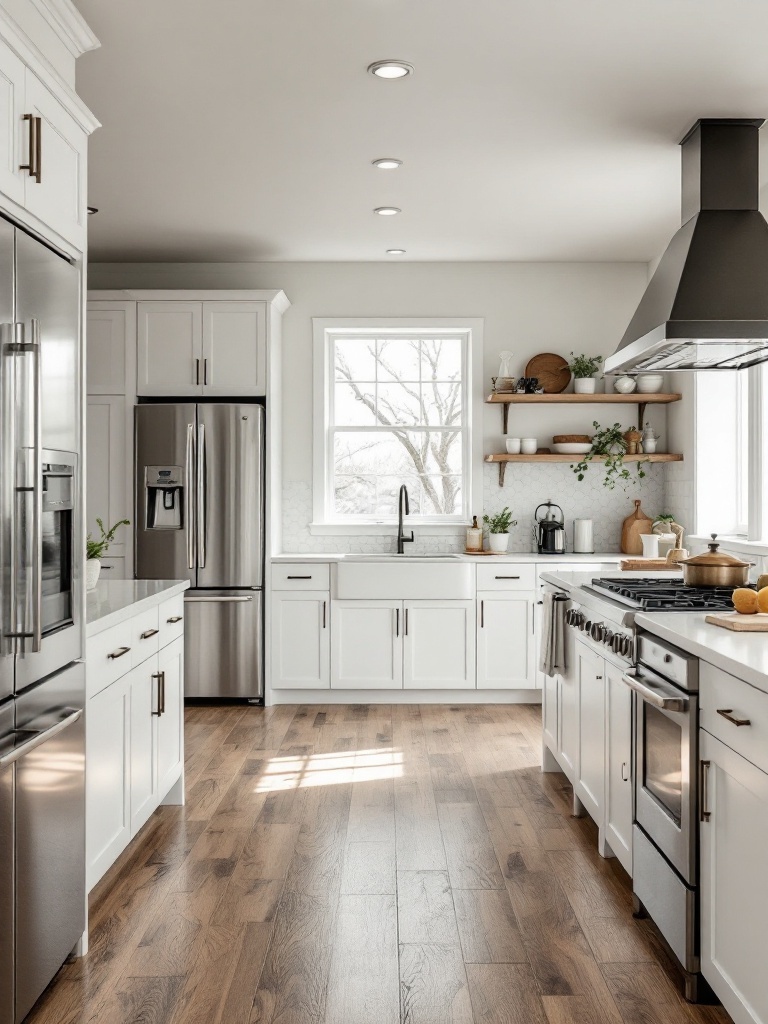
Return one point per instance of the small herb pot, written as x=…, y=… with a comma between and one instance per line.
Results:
x=498, y=542
x=92, y=570
x=584, y=385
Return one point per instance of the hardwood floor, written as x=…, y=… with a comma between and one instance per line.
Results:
x=367, y=865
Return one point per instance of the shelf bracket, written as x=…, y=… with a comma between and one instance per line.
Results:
x=641, y=407
x=502, y=471
x=505, y=419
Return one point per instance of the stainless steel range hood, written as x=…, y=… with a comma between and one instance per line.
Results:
x=706, y=306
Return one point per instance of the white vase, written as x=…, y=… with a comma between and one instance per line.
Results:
x=584, y=385
x=498, y=542
x=92, y=570
x=624, y=385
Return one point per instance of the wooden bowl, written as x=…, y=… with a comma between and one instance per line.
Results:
x=571, y=439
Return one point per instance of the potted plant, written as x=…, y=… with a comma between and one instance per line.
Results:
x=584, y=369
x=498, y=530
x=610, y=444
x=95, y=549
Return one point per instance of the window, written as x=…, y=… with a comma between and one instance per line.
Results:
x=393, y=406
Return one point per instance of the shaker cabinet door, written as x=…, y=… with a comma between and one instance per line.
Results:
x=108, y=809
x=169, y=725
x=234, y=348
x=301, y=652
x=367, y=645
x=505, y=641
x=439, y=645
x=12, y=125
x=618, y=772
x=170, y=348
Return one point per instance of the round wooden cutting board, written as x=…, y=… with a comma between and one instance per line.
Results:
x=552, y=371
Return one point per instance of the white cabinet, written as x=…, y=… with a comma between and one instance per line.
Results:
x=301, y=651
x=111, y=348
x=107, y=494
x=505, y=641
x=217, y=349
x=734, y=893
x=590, y=787
x=367, y=645
x=618, y=769
x=439, y=645
x=170, y=348
x=570, y=683
x=234, y=348
x=144, y=696
x=169, y=723
x=12, y=71
x=107, y=753
x=56, y=193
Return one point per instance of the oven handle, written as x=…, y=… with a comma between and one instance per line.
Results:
x=659, y=697
x=38, y=738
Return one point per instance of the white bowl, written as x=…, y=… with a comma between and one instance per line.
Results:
x=571, y=448
x=650, y=383
x=624, y=385
x=513, y=445
x=529, y=445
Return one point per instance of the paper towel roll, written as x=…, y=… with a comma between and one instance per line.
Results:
x=583, y=540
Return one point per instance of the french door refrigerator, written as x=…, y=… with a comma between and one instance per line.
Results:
x=42, y=678
x=199, y=515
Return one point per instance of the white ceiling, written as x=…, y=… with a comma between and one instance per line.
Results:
x=531, y=129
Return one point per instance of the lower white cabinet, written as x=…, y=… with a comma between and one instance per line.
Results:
x=734, y=892
x=169, y=723
x=439, y=645
x=506, y=649
x=367, y=645
x=590, y=788
x=618, y=768
x=300, y=635
x=142, y=751
x=568, y=710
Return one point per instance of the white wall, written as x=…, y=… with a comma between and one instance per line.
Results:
x=528, y=308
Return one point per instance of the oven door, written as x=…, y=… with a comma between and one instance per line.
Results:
x=665, y=767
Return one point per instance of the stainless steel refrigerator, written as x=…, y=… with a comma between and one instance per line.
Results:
x=199, y=515
x=42, y=678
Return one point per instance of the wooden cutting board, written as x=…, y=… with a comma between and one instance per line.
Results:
x=632, y=529
x=739, y=623
x=551, y=370
x=648, y=565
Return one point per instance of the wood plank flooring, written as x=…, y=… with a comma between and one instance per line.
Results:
x=367, y=865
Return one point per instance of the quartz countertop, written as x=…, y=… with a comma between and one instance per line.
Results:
x=113, y=601
x=521, y=557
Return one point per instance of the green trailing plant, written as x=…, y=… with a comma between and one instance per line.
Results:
x=610, y=444
x=501, y=522
x=584, y=366
x=97, y=548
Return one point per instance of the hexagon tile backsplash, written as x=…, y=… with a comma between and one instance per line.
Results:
x=527, y=486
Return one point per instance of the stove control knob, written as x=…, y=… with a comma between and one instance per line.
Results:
x=597, y=632
x=586, y=627
x=616, y=643
x=626, y=646
x=608, y=637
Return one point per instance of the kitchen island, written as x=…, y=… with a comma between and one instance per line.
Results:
x=134, y=668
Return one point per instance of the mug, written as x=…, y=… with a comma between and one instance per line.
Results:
x=650, y=545
x=528, y=445
x=513, y=445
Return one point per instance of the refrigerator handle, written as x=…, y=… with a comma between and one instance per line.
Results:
x=201, y=497
x=189, y=524
x=37, y=484
x=8, y=496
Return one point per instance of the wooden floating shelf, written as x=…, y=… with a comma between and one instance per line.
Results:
x=640, y=400
x=503, y=459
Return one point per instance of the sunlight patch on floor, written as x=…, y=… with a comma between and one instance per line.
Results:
x=302, y=772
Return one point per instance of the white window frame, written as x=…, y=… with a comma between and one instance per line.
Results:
x=325, y=330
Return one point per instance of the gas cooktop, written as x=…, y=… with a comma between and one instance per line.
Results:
x=655, y=595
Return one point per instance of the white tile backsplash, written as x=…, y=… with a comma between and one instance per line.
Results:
x=526, y=486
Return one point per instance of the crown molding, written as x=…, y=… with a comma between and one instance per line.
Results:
x=68, y=24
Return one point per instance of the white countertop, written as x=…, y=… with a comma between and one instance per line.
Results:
x=520, y=557
x=113, y=601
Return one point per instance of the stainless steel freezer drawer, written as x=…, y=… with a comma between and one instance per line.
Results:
x=6, y=862
x=223, y=644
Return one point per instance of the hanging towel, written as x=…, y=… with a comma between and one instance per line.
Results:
x=552, y=657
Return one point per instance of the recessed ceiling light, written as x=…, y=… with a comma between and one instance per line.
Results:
x=390, y=69
x=395, y=252
x=387, y=211
x=387, y=163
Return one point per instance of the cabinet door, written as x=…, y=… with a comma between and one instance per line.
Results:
x=59, y=197
x=107, y=470
x=301, y=651
x=591, y=785
x=170, y=348
x=12, y=72
x=110, y=348
x=367, y=645
x=234, y=348
x=568, y=709
x=618, y=774
x=108, y=806
x=505, y=641
x=169, y=724
x=144, y=692
x=439, y=645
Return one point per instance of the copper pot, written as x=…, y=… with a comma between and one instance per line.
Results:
x=715, y=569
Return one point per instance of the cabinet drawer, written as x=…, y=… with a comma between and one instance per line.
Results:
x=107, y=656
x=301, y=576
x=506, y=577
x=721, y=692
x=171, y=614
x=145, y=636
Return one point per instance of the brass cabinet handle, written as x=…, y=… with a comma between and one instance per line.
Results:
x=34, y=163
x=148, y=633
x=704, y=789
x=174, y=619
x=728, y=714
x=118, y=653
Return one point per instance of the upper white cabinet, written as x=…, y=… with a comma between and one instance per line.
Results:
x=217, y=349
x=439, y=645
x=505, y=641
x=107, y=494
x=12, y=71
x=170, y=348
x=111, y=351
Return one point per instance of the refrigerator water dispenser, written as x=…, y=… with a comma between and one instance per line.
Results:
x=164, y=495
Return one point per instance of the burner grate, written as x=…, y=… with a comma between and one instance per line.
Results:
x=650, y=594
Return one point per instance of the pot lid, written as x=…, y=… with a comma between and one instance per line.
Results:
x=715, y=557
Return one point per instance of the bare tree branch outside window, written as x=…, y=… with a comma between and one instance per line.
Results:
x=398, y=418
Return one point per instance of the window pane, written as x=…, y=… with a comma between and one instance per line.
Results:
x=349, y=410
x=742, y=451
x=370, y=455
x=354, y=495
x=441, y=359
x=441, y=495
x=398, y=359
x=355, y=359
x=399, y=404
x=442, y=404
